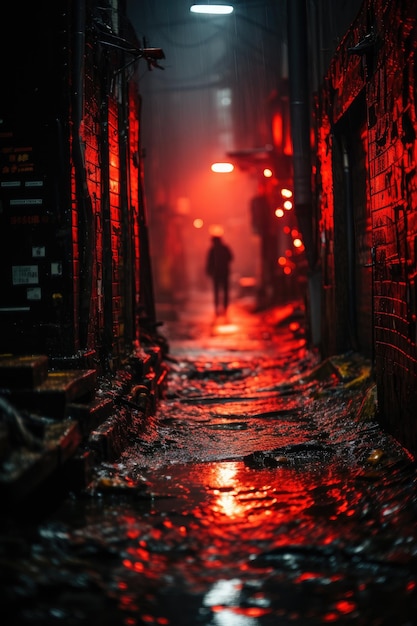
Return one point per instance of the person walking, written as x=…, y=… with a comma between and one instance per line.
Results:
x=218, y=262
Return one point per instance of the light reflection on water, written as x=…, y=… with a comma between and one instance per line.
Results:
x=252, y=544
x=254, y=498
x=309, y=533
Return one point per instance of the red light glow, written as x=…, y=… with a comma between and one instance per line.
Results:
x=198, y=223
x=247, y=281
x=216, y=230
x=345, y=606
x=307, y=576
x=277, y=130
x=267, y=172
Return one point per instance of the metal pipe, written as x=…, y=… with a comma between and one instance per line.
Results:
x=85, y=210
x=300, y=121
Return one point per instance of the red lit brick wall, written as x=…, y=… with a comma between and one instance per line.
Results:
x=109, y=136
x=116, y=228
x=134, y=162
x=387, y=74
x=91, y=139
x=325, y=198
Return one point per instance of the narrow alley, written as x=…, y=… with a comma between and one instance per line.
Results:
x=262, y=492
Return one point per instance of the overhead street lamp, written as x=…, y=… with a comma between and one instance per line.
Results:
x=222, y=7
x=222, y=168
x=208, y=8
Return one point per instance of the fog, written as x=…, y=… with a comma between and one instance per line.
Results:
x=211, y=98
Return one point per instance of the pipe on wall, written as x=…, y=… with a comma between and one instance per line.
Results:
x=84, y=203
x=300, y=121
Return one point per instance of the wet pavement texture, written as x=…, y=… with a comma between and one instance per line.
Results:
x=262, y=493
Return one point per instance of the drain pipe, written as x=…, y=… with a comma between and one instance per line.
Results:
x=300, y=131
x=85, y=209
x=300, y=120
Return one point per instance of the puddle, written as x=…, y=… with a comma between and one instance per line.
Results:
x=255, y=497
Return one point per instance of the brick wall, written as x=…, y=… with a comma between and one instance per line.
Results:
x=386, y=77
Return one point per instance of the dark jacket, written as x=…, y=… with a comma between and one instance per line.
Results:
x=219, y=258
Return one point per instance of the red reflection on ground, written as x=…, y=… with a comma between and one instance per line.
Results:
x=345, y=606
x=249, y=611
x=251, y=506
x=307, y=576
x=223, y=477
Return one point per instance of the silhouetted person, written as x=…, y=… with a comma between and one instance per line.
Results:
x=219, y=258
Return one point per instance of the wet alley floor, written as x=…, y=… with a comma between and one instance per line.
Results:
x=262, y=493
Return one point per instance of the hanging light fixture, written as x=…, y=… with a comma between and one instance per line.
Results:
x=212, y=8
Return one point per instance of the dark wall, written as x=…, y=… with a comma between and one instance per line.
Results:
x=379, y=81
x=72, y=240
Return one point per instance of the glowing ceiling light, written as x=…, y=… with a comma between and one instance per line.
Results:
x=267, y=172
x=279, y=212
x=222, y=168
x=297, y=243
x=286, y=193
x=287, y=205
x=198, y=223
x=211, y=9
